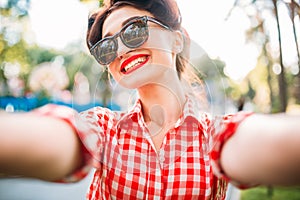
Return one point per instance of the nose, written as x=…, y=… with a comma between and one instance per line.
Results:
x=122, y=49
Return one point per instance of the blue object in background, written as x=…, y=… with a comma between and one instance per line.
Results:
x=25, y=104
x=18, y=104
x=83, y=107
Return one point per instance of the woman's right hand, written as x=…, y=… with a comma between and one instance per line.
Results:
x=38, y=146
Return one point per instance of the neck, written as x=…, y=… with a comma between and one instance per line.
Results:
x=162, y=103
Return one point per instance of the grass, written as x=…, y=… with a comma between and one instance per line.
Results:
x=279, y=193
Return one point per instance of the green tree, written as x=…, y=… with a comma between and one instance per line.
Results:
x=14, y=50
x=281, y=76
x=258, y=34
x=294, y=9
x=12, y=45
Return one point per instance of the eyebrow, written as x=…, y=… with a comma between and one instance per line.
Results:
x=123, y=24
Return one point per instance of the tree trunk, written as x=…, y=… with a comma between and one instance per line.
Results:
x=281, y=76
x=297, y=81
x=269, y=71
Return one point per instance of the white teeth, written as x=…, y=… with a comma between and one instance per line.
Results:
x=134, y=63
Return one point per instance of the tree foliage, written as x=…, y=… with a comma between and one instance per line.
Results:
x=280, y=86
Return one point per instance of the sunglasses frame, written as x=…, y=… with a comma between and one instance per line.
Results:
x=113, y=38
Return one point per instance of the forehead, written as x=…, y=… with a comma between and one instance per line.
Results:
x=113, y=22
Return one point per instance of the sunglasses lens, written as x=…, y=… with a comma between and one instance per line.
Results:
x=106, y=51
x=135, y=34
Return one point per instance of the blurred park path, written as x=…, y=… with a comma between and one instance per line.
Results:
x=32, y=189
x=233, y=193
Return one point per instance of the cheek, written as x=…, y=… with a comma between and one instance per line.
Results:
x=160, y=40
x=162, y=57
x=113, y=70
x=161, y=45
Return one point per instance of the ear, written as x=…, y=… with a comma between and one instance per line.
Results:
x=178, y=42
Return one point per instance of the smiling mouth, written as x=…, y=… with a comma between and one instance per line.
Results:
x=134, y=64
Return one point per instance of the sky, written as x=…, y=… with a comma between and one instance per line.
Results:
x=56, y=23
x=220, y=38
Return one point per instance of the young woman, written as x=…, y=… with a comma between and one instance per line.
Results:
x=165, y=146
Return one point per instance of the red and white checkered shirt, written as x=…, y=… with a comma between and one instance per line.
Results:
x=119, y=146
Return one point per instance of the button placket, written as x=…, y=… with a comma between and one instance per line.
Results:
x=161, y=158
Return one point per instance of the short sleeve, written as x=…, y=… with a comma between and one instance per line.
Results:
x=70, y=116
x=221, y=130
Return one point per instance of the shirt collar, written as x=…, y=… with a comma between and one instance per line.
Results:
x=133, y=115
x=191, y=108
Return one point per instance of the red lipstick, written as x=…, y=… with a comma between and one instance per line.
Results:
x=133, y=63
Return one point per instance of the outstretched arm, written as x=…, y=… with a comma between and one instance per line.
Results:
x=37, y=146
x=264, y=150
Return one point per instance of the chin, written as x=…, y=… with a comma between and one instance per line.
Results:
x=132, y=84
x=145, y=75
